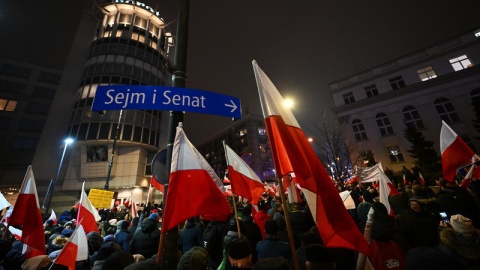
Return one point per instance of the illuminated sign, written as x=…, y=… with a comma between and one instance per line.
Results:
x=139, y=4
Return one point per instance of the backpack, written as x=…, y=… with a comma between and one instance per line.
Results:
x=213, y=241
x=387, y=255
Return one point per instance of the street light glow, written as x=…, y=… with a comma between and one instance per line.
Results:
x=68, y=140
x=310, y=139
x=288, y=102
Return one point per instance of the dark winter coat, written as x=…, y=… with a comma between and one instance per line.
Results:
x=272, y=247
x=190, y=237
x=146, y=240
x=465, y=248
x=122, y=238
x=418, y=229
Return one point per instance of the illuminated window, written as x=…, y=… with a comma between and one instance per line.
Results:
x=371, y=91
x=384, y=125
x=243, y=132
x=412, y=117
x=426, y=73
x=446, y=111
x=262, y=131
x=395, y=154
x=348, y=98
x=8, y=105
x=461, y=62
x=359, y=130
x=397, y=83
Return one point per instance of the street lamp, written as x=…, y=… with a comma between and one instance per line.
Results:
x=52, y=187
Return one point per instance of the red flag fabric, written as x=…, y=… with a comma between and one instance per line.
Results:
x=27, y=213
x=133, y=210
x=76, y=249
x=293, y=153
x=244, y=181
x=156, y=184
x=194, y=188
x=455, y=152
x=87, y=214
x=128, y=201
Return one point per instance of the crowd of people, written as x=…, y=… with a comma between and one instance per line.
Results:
x=430, y=229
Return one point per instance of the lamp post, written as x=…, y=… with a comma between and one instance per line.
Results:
x=52, y=189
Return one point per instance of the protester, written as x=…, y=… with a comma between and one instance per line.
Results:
x=261, y=217
x=122, y=236
x=239, y=255
x=271, y=246
x=191, y=236
x=252, y=230
x=146, y=240
x=318, y=257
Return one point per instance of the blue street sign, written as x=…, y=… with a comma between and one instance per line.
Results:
x=139, y=97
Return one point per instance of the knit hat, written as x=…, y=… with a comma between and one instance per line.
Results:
x=95, y=240
x=414, y=199
x=274, y=263
x=195, y=258
x=271, y=227
x=318, y=253
x=239, y=249
x=153, y=216
x=462, y=224
x=118, y=260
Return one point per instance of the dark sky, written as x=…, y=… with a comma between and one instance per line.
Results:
x=301, y=45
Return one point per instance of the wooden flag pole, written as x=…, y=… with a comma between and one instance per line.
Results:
x=287, y=220
x=236, y=215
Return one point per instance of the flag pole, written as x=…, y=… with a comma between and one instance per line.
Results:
x=287, y=220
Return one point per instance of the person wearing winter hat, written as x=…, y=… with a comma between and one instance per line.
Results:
x=194, y=259
x=271, y=246
x=122, y=236
x=462, y=241
x=319, y=257
x=239, y=254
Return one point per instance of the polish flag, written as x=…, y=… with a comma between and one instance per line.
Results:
x=76, y=249
x=422, y=180
x=455, y=152
x=156, y=184
x=385, y=186
x=133, y=210
x=27, y=213
x=290, y=186
x=244, y=181
x=53, y=217
x=128, y=201
x=87, y=214
x=6, y=217
x=17, y=233
x=194, y=188
x=293, y=153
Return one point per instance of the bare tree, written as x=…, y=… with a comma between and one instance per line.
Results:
x=338, y=152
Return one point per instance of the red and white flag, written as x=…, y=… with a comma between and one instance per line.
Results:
x=76, y=249
x=157, y=184
x=128, y=201
x=194, y=188
x=385, y=186
x=17, y=233
x=133, y=210
x=6, y=217
x=27, y=214
x=53, y=217
x=293, y=153
x=422, y=180
x=455, y=152
x=290, y=186
x=87, y=214
x=244, y=181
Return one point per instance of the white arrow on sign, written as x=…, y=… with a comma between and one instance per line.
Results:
x=233, y=106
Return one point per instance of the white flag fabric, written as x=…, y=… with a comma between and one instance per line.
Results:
x=386, y=188
x=3, y=202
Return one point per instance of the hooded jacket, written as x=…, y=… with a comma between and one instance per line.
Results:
x=463, y=247
x=146, y=240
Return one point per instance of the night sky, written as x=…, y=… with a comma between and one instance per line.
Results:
x=301, y=45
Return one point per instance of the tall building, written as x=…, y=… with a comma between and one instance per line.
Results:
x=420, y=89
x=26, y=93
x=248, y=138
x=121, y=42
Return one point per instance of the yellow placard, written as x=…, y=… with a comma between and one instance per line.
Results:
x=100, y=198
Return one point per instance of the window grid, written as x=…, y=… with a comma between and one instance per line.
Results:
x=8, y=105
x=397, y=83
x=446, y=111
x=359, y=130
x=395, y=154
x=371, y=91
x=349, y=98
x=426, y=73
x=461, y=62
x=383, y=123
x=412, y=117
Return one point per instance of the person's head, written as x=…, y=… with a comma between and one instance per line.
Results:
x=240, y=253
x=414, y=204
x=271, y=227
x=318, y=256
x=118, y=260
x=462, y=224
x=195, y=258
